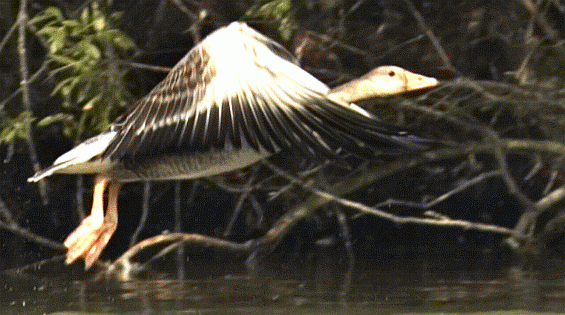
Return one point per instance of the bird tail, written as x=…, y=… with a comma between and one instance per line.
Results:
x=78, y=159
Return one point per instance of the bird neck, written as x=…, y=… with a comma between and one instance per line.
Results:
x=351, y=91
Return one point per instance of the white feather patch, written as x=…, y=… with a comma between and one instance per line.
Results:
x=79, y=159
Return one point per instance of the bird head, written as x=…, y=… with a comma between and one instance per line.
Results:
x=391, y=80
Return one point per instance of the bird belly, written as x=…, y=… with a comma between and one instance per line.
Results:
x=95, y=166
x=189, y=166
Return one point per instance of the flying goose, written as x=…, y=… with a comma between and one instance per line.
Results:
x=237, y=97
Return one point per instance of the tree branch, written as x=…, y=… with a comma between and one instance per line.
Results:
x=22, y=22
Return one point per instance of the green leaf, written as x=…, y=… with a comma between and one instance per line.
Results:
x=48, y=14
x=48, y=30
x=91, y=103
x=71, y=24
x=38, y=18
x=57, y=40
x=85, y=16
x=7, y=135
x=124, y=42
x=57, y=118
x=99, y=24
x=279, y=10
x=54, y=12
x=87, y=48
x=65, y=86
x=85, y=89
x=91, y=82
x=17, y=128
x=63, y=59
x=114, y=16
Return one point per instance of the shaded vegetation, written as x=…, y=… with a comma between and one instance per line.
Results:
x=89, y=52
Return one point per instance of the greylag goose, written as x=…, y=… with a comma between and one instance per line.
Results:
x=237, y=97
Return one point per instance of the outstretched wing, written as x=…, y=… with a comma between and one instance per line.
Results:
x=234, y=89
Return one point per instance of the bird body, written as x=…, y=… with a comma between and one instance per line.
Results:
x=237, y=97
x=236, y=93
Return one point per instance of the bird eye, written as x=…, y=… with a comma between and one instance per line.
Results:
x=391, y=73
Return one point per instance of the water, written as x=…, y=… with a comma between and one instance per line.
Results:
x=323, y=285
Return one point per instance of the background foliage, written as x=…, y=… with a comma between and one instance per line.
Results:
x=89, y=52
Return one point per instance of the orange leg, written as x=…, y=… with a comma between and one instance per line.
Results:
x=91, y=236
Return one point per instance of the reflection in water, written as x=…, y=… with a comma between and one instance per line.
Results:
x=316, y=287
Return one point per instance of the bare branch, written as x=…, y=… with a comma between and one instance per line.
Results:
x=444, y=221
x=24, y=233
x=539, y=18
x=147, y=67
x=22, y=22
x=8, y=35
x=177, y=229
x=6, y=213
x=431, y=36
x=123, y=264
x=144, y=213
x=347, y=243
x=44, y=67
x=436, y=201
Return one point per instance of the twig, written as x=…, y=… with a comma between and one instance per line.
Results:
x=22, y=21
x=177, y=202
x=144, y=213
x=436, y=201
x=234, y=188
x=346, y=237
x=7, y=215
x=521, y=74
x=540, y=19
x=467, y=225
x=353, y=8
x=158, y=19
x=178, y=229
x=249, y=187
x=303, y=210
x=527, y=221
x=31, y=79
x=80, y=197
x=337, y=43
x=16, y=229
x=196, y=19
x=146, y=67
x=19, y=271
x=259, y=212
x=193, y=17
x=498, y=150
x=396, y=48
x=125, y=259
x=500, y=156
x=431, y=36
x=8, y=35
x=551, y=199
x=535, y=96
x=235, y=214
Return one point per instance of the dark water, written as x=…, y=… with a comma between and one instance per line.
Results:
x=325, y=287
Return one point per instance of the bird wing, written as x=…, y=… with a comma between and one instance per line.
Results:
x=258, y=100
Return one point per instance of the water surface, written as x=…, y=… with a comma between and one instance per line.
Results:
x=279, y=287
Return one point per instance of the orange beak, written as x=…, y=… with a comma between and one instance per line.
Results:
x=414, y=81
